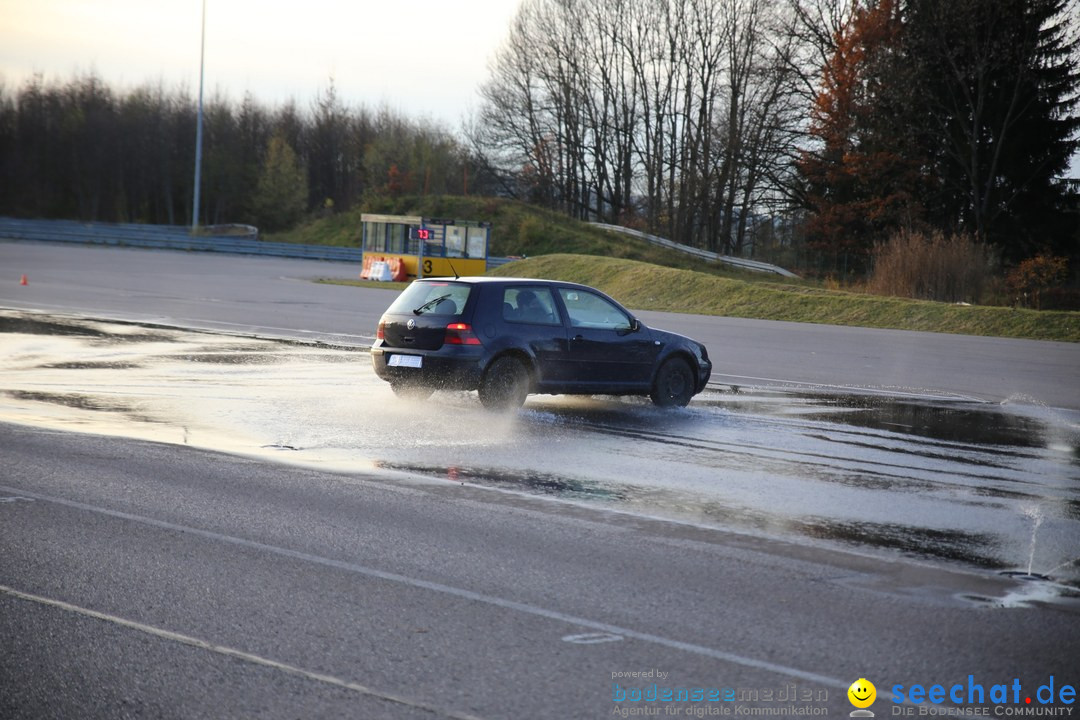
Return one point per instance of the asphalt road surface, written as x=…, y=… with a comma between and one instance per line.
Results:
x=153, y=580
x=162, y=579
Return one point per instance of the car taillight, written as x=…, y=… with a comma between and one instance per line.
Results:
x=460, y=334
x=380, y=332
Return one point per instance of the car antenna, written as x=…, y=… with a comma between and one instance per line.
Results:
x=451, y=264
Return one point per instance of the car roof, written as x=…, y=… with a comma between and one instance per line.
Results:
x=484, y=280
x=487, y=280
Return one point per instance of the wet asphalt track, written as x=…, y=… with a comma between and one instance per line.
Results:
x=941, y=479
x=890, y=515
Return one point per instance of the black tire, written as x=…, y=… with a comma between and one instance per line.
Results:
x=674, y=384
x=505, y=385
x=411, y=390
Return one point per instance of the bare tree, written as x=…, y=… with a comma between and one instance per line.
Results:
x=670, y=106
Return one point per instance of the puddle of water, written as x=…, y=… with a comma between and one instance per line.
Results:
x=944, y=480
x=71, y=400
x=537, y=482
x=948, y=421
x=232, y=358
x=78, y=365
x=974, y=549
x=11, y=323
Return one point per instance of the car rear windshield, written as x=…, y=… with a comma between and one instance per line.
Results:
x=432, y=298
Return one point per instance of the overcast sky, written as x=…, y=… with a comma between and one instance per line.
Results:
x=425, y=58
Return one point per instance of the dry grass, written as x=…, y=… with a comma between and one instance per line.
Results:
x=932, y=267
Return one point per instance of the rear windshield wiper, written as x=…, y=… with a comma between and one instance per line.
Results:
x=434, y=301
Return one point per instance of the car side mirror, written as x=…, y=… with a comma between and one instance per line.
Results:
x=635, y=326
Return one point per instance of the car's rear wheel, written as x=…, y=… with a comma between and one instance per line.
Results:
x=411, y=390
x=674, y=384
x=505, y=385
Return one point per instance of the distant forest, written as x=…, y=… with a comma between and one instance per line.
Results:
x=731, y=125
x=82, y=150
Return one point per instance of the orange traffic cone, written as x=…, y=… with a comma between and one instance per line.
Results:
x=23, y=281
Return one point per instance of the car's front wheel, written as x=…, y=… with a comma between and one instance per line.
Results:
x=505, y=385
x=674, y=384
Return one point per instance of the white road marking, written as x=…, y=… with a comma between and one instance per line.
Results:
x=591, y=638
x=230, y=652
x=593, y=625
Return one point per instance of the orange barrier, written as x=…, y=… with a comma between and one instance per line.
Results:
x=369, y=260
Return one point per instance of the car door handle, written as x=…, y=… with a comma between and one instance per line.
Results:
x=579, y=337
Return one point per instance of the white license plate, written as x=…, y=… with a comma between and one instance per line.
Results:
x=413, y=361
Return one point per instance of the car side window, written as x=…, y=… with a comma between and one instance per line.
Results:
x=587, y=310
x=533, y=305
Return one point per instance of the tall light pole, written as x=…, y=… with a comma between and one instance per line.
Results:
x=198, y=131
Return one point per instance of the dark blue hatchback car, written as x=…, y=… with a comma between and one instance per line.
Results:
x=509, y=337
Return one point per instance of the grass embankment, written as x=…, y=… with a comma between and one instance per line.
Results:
x=517, y=229
x=648, y=287
x=667, y=280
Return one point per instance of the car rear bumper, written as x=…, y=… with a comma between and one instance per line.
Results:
x=451, y=369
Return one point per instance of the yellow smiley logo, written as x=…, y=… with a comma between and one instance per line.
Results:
x=862, y=693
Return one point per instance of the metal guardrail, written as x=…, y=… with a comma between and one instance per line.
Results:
x=753, y=265
x=494, y=262
x=170, y=237
x=233, y=239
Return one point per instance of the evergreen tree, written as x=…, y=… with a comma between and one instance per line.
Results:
x=961, y=115
x=999, y=92
x=281, y=195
